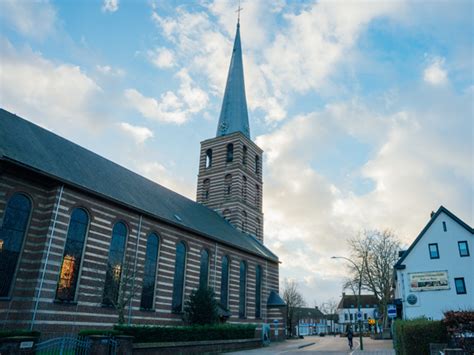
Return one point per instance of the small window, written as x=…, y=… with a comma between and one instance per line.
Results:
x=434, y=253
x=365, y=316
x=463, y=248
x=346, y=317
x=257, y=196
x=257, y=164
x=352, y=316
x=230, y=153
x=206, y=185
x=208, y=158
x=244, y=155
x=228, y=185
x=444, y=227
x=460, y=285
x=244, y=188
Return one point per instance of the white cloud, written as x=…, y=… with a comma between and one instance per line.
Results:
x=108, y=70
x=435, y=73
x=35, y=19
x=162, y=57
x=110, y=5
x=47, y=92
x=171, y=108
x=138, y=133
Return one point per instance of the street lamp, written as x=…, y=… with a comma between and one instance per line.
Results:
x=359, y=270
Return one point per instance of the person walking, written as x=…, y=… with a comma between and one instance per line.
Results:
x=350, y=335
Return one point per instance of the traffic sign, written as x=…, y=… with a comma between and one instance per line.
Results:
x=359, y=315
x=391, y=310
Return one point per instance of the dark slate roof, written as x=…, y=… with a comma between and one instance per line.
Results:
x=274, y=300
x=28, y=145
x=308, y=312
x=399, y=264
x=350, y=301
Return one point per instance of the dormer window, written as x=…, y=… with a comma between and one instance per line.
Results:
x=208, y=158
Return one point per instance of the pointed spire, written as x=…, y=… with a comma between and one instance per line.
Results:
x=234, y=115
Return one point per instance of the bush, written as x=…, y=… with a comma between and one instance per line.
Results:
x=18, y=333
x=414, y=336
x=148, y=334
x=108, y=332
x=460, y=324
x=201, y=307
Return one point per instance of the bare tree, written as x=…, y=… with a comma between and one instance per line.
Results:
x=376, y=251
x=329, y=308
x=122, y=286
x=294, y=300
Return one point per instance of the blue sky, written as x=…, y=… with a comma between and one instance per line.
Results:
x=364, y=108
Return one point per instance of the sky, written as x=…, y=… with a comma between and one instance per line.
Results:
x=364, y=108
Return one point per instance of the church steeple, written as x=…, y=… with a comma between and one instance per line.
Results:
x=234, y=115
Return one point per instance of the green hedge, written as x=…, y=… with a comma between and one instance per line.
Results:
x=148, y=334
x=19, y=332
x=414, y=336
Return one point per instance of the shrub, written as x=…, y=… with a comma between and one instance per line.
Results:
x=109, y=332
x=148, y=334
x=414, y=336
x=19, y=332
x=460, y=324
x=201, y=307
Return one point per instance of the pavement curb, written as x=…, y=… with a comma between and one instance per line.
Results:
x=305, y=345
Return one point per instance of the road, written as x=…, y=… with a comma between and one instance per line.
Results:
x=324, y=345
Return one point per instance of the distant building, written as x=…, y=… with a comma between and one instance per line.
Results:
x=347, y=310
x=310, y=321
x=436, y=273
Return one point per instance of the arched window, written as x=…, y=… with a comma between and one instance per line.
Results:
x=204, y=269
x=257, y=228
x=257, y=164
x=226, y=214
x=225, y=282
x=149, y=274
x=228, y=184
x=179, y=274
x=244, y=221
x=258, y=291
x=244, y=188
x=73, y=251
x=243, y=289
x=230, y=153
x=208, y=158
x=12, y=233
x=115, y=264
x=257, y=195
x=206, y=186
x=244, y=155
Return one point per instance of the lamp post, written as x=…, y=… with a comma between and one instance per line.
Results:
x=359, y=270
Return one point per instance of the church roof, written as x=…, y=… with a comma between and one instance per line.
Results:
x=26, y=144
x=234, y=115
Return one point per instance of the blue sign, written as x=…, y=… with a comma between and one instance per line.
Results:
x=359, y=315
x=391, y=311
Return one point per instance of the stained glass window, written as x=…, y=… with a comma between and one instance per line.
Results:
x=73, y=251
x=204, y=269
x=12, y=233
x=258, y=290
x=225, y=282
x=149, y=275
x=243, y=289
x=115, y=264
x=178, y=283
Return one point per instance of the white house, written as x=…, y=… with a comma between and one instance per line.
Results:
x=436, y=273
x=347, y=310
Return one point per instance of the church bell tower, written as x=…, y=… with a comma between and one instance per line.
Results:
x=230, y=165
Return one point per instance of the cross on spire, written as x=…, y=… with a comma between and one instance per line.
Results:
x=238, y=13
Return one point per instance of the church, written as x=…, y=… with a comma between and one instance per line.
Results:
x=81, y=235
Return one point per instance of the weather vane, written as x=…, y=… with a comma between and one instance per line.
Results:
x=238, y=13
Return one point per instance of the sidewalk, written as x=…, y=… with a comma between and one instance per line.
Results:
x=375, y=347
x=279, y=347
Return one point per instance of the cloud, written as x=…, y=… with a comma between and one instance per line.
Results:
x=139, y=134
x=35, y=19
x=435, y=74
x=171, y=108
x=108, y=70
x=162, y=57
x=110, y=5
x=47, y=92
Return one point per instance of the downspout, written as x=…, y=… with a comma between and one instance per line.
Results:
x=135, y=269
x=53, y=229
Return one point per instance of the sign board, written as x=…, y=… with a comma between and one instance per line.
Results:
x=26, y=345
x=391, y=310
x=359, y=315
x=275, y=323
x=429, y=281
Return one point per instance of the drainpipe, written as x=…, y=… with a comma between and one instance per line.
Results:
x=53, y=229
x=135, y=269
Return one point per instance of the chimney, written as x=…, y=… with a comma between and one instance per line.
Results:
x=343, y=294
x=432, y=214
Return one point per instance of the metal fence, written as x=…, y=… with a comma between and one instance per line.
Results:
x=64, y=346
